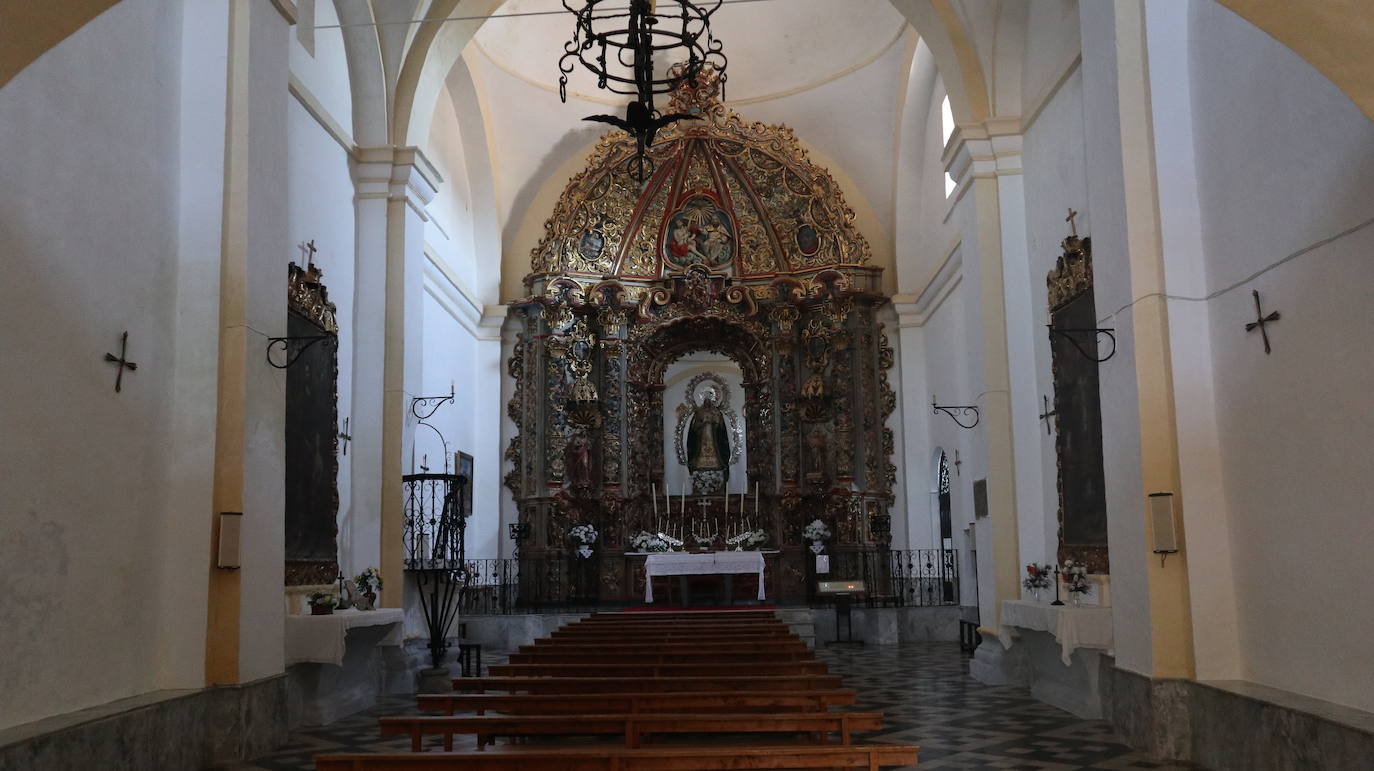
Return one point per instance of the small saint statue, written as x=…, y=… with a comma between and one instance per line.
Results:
x=708, y=446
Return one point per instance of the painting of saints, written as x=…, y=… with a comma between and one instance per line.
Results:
x=699, y=234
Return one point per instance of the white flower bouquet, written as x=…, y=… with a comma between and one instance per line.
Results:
x=749, y=540
x=816, y=531
x=654, y=542
x=584, y=534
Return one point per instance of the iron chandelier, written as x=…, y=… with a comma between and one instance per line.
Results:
x=617, y=45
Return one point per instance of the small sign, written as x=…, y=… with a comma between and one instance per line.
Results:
x=822, y=564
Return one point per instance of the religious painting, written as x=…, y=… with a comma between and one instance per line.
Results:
x=700, y=233
x=591, y=245
x=1077, y=410
x=808, y=240
x=462, y=465
x=312, y=464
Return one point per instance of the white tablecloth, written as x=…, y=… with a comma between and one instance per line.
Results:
x=1073, y=627
x=321, y=639
x=700, y=564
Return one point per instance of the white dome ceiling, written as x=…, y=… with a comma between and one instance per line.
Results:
x=775, y=47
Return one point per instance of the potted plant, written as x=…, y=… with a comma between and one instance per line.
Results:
x=369, y=583
x=321, y=603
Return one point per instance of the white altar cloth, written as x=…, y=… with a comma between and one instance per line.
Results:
x=700, y=564
x=321, y=639
x=1073, y=627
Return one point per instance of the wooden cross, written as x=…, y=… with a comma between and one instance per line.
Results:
x=1048, y=413
x=1261, y=320
x=1073, y=226
x=345, y=436
x=424, y=459
x=121, y=361
x=310, y=249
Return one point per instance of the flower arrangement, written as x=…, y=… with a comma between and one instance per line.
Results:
x=816, y=531
x=749, y=540
x=584, y=536
x=654, y=542
x=1076, y=578
x=703, y=541
x=321, y=603
x=369, y=581
x=1038, y=577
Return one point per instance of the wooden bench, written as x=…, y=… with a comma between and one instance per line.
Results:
x=631, y=703
x=548, y=685
x=687, y=615
x=631, y=646
x=556, y=655
x=676, y=669
x=871, y=757
x=680, y=636
x=631, y=726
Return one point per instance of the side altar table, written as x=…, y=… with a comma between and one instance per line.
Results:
x=337, y=664
x=700, y=564
x=1055, y=650
x=1073, y=627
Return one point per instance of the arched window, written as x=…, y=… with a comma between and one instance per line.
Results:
x=947, y=130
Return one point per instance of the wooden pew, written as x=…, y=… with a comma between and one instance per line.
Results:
x=631, y=703
x=556, y=655
x=675, y=669
x=679, y=636
x=547, y=685
x=633, y=727
x=627, y=645
x=689, y=615
x=871, y=757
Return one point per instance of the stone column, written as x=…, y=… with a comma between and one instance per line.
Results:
x=1171, y=633
x=245, y=626
x=411, y=184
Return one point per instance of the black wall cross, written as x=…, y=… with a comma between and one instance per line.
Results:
x=1047, y=414
x=121, y=360
x=345, y=437
x=1261, y=320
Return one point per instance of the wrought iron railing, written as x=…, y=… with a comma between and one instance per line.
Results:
x=900, y=577
x=568, y=583
x=434, y=533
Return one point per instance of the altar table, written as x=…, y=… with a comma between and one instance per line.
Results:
x=1073, y=627
x=321, y=639
x=699, y=564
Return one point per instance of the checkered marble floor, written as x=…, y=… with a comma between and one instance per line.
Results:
x=924, y=690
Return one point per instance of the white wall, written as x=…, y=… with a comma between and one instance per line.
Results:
x=321, y=209
x=88, y=245
x=1284, y=164
x=1055, y=174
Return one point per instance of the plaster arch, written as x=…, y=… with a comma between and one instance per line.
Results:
x=1334, y=36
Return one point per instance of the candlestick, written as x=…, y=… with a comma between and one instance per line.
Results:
x=756, y=499
x=654, y=496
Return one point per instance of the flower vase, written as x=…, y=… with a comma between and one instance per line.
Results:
x=321, y=610
x=817, y=547
x=1077, y=599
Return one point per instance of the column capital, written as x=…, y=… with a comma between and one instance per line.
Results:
x=990, y=148
x=397, y=174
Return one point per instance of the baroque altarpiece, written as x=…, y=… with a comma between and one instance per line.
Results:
x=736, y=244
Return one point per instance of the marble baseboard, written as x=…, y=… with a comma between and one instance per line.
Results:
x=1236, y=726
x=166, y=729
x=893, y=626
x=1035, y=662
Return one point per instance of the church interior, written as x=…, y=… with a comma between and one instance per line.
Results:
x=686, y=384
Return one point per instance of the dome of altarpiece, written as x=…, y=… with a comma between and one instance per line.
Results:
x=739, y=198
